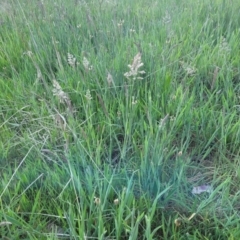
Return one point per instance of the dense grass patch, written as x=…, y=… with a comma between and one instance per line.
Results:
x=112, y=112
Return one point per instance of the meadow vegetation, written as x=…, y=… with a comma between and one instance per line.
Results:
x=111, y=112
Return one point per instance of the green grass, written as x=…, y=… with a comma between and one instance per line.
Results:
x=89, y=153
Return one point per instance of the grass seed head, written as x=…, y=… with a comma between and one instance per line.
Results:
x=178, y=222
x=109, y=79
x=72, y=61
x=190, y=70
x=86, y=64
x=224, y=46
x=135, y=71
x=88, y=95
x=62, y=96
x=97, y=201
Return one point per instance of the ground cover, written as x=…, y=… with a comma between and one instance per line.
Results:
x=119, y=119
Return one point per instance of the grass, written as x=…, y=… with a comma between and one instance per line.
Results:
x=111, y=112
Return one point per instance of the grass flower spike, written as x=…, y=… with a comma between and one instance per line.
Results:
x=135, y=71
x=72, y=61
x=62, y=96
